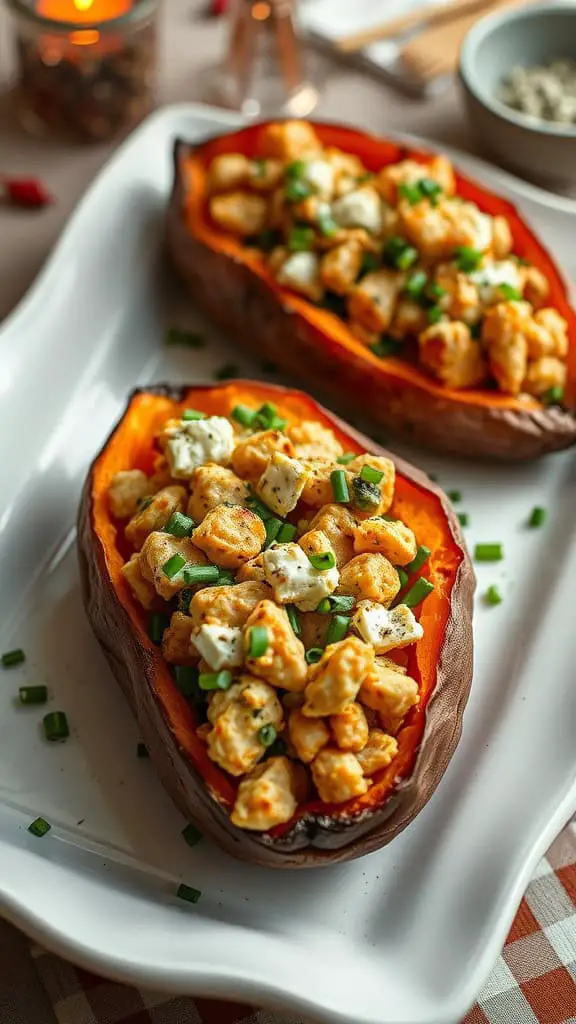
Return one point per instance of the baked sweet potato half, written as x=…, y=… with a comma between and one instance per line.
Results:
x=383, y=278
x=287, y=608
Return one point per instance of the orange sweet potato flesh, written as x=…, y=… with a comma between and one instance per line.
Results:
x=441, y=662
x=234, y=287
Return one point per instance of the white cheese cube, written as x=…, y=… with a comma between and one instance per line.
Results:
x=489, y=277
x=359, y=209
x=386, y=628
x=220, y=646
x=301, y=273
x=294, y=579
x=282, y=483
x=320, y=175
x=194, y=442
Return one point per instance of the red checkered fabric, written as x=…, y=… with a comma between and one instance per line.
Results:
x=533, y=981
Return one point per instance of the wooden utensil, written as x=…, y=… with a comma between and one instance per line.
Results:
x=426, y=15
x=435, y=51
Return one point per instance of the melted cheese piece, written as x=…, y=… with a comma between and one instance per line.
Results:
x=294, y=579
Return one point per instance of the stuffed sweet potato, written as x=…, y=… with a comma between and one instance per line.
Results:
x=288, y=611
x=383, y=278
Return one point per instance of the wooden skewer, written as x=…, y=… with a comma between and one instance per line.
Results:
x=427, y=15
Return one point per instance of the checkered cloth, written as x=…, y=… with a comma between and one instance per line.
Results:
x=533, y=982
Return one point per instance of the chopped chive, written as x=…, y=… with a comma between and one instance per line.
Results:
x=157, y=623
x=422, y=555
x=467, y=258
x=193, y=414
x=493, y=595
x=186, y=892
x=488, y=552
x=39, y=827
x=346, y=458
x=273, y=527
x=338, y=628
x=277, y=749
x=313, y=655
x=416, y=284
x=268, y=417
x=244, y=415
x=11, y=658
x=172, y=567
x=266, y=240
x=367, y=496
x=402, y=576
x=410, y=192
x=191, y=835
x=267, y=734
x=370, y=262
x=385, y=347
x=407, y=258
x=554, y=396
x=297, y=188
x=142, y=750
x=259, y=508
x=327, y=224
x=258, y=641
x=537, y=516
x=464, y=519
x=322, y=561
x=435, y=291
x=455, y=496
x=429, y=188
x=227, y=372
x=329, y=605
x=184, y=598
x=399, y=253
x=225, y=577
x=340, y=486
x=56, y=726
x=295, y=170
x=371, y=475
x=509, y=292
x=33, y=694
x=301, y=238
x=215, y=680
x=179, y=525
x=186, y=679
x=418, y=591
x=286, y=534
x=193, y=574
x=434, y=314
x=176, y=336
x=294, y=619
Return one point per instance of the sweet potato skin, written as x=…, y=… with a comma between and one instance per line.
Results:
x=314, y=839
x=265, y=319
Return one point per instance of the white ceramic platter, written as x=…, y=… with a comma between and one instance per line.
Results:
x=405, y=935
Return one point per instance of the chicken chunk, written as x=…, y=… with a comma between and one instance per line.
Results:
x=283, y=663
x=318, y=488
x=228, y=172
x=338, y=776
x=555, y=326
x=252, y=571
x=386, y=485
x=504, y=335
x=213, y=485
x=409, y=320
x=240, y=213
x=337, y=523
x=265, y=175
x=543, y=374
x=372, y=302
x=176, y=641
x=378, y=753
x=370, y=577
x=252, y=454
x=389, y=691
x=340, y=267
x=157, y=551
x=462, y=294
x=391, y=538
x=230, y=535
x=535, y=286
x=227, y=606
x=410, y=172
x=154, y=515
x=282, y=483
x=336, y=679
x=126, y=491
x=307, y=735
x=449, y=353
x=438, y=230
x=312, y=440
x=288, y=140
x=502, y=240
x=266, y=797
x=237, y=716
x=350, y=728
x=314, y=629
x=141, y=588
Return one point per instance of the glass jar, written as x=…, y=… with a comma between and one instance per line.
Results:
x=85, y=68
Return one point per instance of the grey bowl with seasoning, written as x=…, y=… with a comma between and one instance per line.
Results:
x=534, y=148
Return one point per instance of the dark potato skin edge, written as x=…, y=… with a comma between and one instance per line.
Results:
x=244, y=306
x=313, y=841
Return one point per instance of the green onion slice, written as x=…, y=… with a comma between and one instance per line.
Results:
x=215, y=680
x=157, y=623
x=366, y=496
x=286, y=533
x=267, y=734
x=467, y=258
x=554, y=396
x=418, y=591
x=371, y=475
x=226, y=578
x=416, y=285
x=193, y=574
x=33, y=694
x=244, y=415
x=273, y=527
x=488, y=553
x=338, y=628
x=186, y=679
x=455, y=496
x=301, y=238
x=313, y=655
x=184, y=598
x=464, y=519
x=258, y=641
x=39, y=827
x=327, y=224
x=340, y=486
x=422, y=555
x=323, y=561
x=294, y=618
x=402, y=576
x=493, y=595
x=193, y=414
x=537, y=516
x=345, y=459
x=259, y=508
x=329, y=605
x=188, y=893
x=179, y=525
x=191, y=835
x=509, y=292
x=56, y=726
x=11, y=658
x=434, y=314
x=172, y=567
